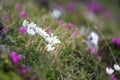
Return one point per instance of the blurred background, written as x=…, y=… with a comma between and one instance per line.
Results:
x=87, y=13
x=66, y=19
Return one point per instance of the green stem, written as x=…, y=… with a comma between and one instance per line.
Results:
x=106, y=44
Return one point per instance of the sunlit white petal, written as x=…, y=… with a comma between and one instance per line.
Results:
x=109, y=70
x=116, y=67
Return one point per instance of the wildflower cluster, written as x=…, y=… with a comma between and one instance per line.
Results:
x=50, y=39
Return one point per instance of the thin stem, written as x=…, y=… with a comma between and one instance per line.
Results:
x=106, y=44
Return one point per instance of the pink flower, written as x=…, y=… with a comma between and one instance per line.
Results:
x=91, y=50
x=94, y=7
x=59, y=22
x=5, y=18
x=113, y=77
x=23, y=70
x=4, y=30
x=70, y=26
x=74, y=34
x=116, y=41
x=48, y=30
x=23, y=15
x=22, y=30
x=15, y=57
x=98, y=57
x=20, y=7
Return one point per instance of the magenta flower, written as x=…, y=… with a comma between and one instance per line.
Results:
x=23, y=71
x=22, y=30
x=116, y=41
x=113, y=77
x=23, y=15
x=15, y=57
x=20, y=7
x=94, y=7
x=91, y=50
x=4, y=30
x=74, y=34
x=59, y=22
x=48, y=30
x=70, y=26
x=98, y=57
x=5, y=18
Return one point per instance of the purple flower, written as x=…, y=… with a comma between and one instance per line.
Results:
x=15, y=57
x=74, y=34
x=23, y=71
x=72, y=6
x=20, y=7
x=98, y=57
x=23, y=15
x=94, y=7
x=70, y=26
x=4, y=30
x=5, y=18
x=91, y=50
x=48, y=30
x=59, y=22
x=22, y=30
x=113, y=40
x=113, y=77
x=116, y=41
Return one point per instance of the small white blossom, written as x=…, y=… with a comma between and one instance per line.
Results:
x=30, y=29
x=41, y=32
x=25, y=23
x=93, y=38
x=52, y=39
x=56, y=13
x=116, y=67
x=93, y=41
x=50, y=47
x=109, y=70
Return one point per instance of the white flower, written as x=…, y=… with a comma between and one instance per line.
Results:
x=52, y=39
x=25, y=23
x=116, y=67
x=30, y=29
x=50, y=47
x=93, y=41
x=109, y=70
x=41, y=32
x=56, y=13
x=93, y=38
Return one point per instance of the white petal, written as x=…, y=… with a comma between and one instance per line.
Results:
x=25, y=23
x=56, y=13
x=30, y=31
x=50, y=47
x=109, y=71
x=93, y=41
x=116, y=67
x=41, y=32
